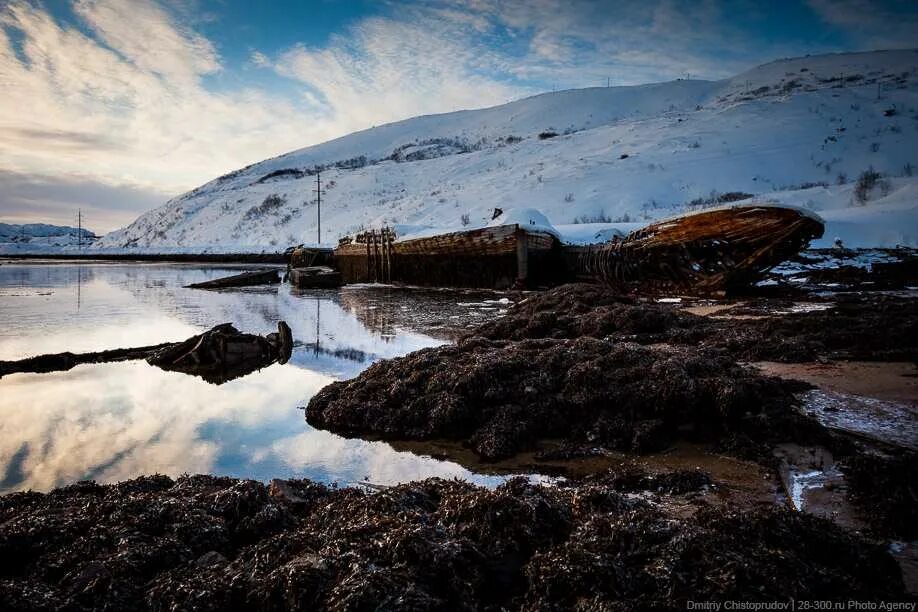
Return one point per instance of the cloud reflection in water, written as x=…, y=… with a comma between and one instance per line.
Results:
x=115, y=421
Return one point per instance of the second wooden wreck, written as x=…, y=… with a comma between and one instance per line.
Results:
x=493, y=257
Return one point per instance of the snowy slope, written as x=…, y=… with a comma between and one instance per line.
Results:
x=32, y=236
x=799, y=130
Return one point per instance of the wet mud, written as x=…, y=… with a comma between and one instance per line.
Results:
x=209, y=543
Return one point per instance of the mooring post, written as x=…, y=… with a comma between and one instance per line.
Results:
x=522, y=256
x=377, y=255
x=366, y=237
x=387, y=253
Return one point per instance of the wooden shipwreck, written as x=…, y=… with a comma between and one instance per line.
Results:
x=704, y=252
x=710, y=251
x=245, y=279
x=494, y=257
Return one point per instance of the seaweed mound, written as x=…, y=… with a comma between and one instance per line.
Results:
x=503, y=397
x=209, y=543
x=886, y=487
x=869, y=327
x=581, y=309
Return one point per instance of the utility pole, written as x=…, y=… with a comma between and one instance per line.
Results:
x=318, y=191
x=79, y=229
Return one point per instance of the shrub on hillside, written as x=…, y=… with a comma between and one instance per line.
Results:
x=270, y=205
x=867, y=180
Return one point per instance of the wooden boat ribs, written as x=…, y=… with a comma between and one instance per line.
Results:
x=709, y=251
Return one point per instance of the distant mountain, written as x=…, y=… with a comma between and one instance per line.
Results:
x=799, y=130
x=44, y=235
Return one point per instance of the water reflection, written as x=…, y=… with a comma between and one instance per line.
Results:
x=119, y=420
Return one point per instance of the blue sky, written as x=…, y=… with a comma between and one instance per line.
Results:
x=116, y=105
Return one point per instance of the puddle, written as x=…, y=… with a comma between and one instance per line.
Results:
x=735, y=481
x=894, y=381
x=799, y=307
x=814, y=483
x=877, y=400
x=880, y=420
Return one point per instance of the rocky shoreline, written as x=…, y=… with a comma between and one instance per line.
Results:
x=620, y=384
x=614, y=543
x=603, y=372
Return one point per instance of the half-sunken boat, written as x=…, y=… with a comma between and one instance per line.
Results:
x=245, y=279
x=497, y=257
x=223, y=353
x=709, y=251
x=314, y=277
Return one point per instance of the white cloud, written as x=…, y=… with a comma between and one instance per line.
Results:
x=129, y=107
x=260, y=60
x=144, y=34
x=388, y=69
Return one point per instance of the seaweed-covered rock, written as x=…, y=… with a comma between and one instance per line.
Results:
x=886, y=487
x=503, y=397
x=869, y=327
x=576, y=310
x=642, y=560
x=426, y=545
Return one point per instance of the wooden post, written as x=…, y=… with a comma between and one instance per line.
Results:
x=522, y=256
x=366, y=237
x=376, y=258
x=393, y=261
x=387, y=252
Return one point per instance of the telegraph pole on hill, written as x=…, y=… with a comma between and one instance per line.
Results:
x=318, y=191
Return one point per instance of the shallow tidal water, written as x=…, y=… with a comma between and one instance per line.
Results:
x=115, y=421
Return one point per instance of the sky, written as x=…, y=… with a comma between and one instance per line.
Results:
x=115, y=106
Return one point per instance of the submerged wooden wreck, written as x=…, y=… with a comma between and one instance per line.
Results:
x=703, y=252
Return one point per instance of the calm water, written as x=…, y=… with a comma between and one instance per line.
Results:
x=110, y=422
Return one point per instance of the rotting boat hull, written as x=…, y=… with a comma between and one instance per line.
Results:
x=493, y=257
x=705, y=252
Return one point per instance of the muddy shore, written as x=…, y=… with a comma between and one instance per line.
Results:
x=686, y=434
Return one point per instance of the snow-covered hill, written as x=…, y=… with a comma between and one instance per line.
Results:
x=798, y=130
x=32, y=236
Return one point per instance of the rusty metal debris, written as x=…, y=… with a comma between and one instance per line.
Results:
x=314, y=277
